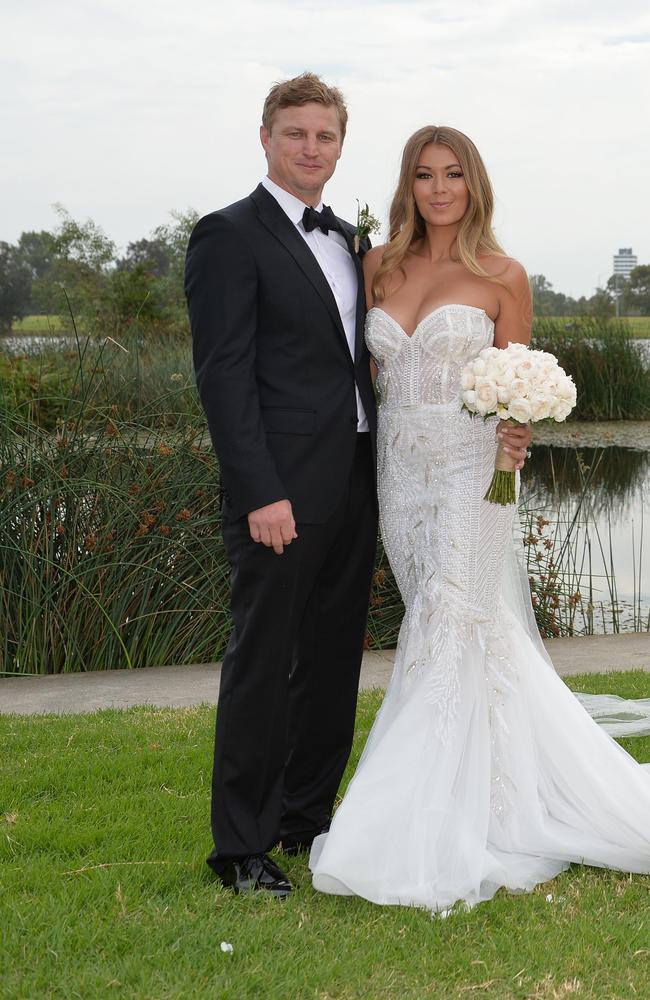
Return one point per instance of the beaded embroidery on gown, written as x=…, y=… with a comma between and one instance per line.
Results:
x=482, y=769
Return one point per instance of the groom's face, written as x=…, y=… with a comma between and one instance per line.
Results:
x=302, y=149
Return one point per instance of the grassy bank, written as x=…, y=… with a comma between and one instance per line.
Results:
x=148, y=379
x=110, y=551
x=612, y=376
x=640, y=326
x=105, y=891
x=148, y=382
x=110, y=543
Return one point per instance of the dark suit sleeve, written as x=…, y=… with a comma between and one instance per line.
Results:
x=221, y=289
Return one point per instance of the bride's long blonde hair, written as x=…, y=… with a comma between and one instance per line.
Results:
x=475, y=235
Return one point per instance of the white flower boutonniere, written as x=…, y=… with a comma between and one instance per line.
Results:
x=366, y=224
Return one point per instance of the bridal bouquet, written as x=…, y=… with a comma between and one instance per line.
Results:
x=517, y=384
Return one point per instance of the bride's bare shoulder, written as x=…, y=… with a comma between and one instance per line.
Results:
x=372, y=259
x=509, y=271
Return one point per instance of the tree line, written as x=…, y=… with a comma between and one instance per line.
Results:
x=618, y=297
x=77, y=268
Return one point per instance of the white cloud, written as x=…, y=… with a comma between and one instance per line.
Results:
x=124, y=110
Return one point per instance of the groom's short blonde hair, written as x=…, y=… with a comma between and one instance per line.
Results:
x=303, y=89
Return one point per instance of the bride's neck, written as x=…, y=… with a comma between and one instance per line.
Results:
x=439, y=242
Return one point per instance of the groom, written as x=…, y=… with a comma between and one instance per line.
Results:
x=276, y=303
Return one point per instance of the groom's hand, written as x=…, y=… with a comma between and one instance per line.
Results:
x=515, y=439
x=273, y=525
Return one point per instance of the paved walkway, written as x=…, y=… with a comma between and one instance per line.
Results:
x=199, y=684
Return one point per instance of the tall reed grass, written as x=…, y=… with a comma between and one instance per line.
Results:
x=110, y=540
x=610, y=370
x=110, y=552
x=148, y=378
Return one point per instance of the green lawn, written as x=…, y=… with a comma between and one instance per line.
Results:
x=103, y=824
x=38, y=324
x=640, y=325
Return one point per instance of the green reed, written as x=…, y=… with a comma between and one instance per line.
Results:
x=110, y=533
x=611, y=371
x=144, y=379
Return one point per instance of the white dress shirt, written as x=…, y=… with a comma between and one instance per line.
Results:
x=333, y=256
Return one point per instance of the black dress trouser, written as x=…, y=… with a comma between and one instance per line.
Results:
x=289, y=680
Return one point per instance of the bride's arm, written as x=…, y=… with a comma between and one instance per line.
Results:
x=371, y=263
x=515, y=317
x=513, y=325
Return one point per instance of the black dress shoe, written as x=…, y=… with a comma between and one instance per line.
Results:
x=256, y=871
x=295, y=843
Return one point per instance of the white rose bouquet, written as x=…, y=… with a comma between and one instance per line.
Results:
x=518, y=384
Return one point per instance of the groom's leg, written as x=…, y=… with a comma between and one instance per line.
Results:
x=325, y=677
x=250, y=738
x=269, y=595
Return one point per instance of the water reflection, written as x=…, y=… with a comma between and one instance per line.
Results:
x=611, y=477
x=597, y=501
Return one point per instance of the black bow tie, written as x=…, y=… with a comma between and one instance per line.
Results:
x=325, y=220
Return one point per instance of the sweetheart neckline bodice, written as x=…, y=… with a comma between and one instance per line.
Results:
x=430, y=315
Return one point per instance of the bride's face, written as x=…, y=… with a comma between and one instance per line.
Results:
x=439, y=188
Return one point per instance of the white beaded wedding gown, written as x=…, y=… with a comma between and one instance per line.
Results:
x=482, y=769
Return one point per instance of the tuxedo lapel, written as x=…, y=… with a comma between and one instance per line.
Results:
x=279, y=224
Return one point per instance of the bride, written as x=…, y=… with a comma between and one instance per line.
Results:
x=482, y=769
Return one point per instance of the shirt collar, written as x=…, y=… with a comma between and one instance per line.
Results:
x=290, y=205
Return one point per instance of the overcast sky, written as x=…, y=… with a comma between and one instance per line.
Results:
x=123, y=110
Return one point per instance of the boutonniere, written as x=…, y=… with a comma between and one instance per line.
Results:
x=366, y=224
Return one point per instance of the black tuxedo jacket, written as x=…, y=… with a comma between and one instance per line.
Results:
x=273, y=367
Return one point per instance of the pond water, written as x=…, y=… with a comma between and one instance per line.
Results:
x=34, y=343
x=597, y=503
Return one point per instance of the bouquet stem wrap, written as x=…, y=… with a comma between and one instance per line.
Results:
x=503, y=486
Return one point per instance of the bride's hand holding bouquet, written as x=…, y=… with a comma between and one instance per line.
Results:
x=518, y=384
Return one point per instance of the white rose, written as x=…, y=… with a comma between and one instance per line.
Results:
x=493, y=371
x=517, y=388
x=469, y=399
x=503, y=393
x=486, y=394
x=519, y=410
x=467, y=380
x=507, y=375
x=524, y=367
x=479, y=366
x=561, y=410
x=566, y=390
x=541, y=407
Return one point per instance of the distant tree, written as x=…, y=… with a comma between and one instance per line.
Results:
x=142, y=288
x=547, y=302
x=153, y=256
x=82, y=260
x=37, y=251
x=601, y=303
x=639, y=288
x=174, y=236
x=15, y=285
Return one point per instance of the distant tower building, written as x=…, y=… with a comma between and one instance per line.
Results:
x=624, y=261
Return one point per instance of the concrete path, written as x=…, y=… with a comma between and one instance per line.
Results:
x=199, y=684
